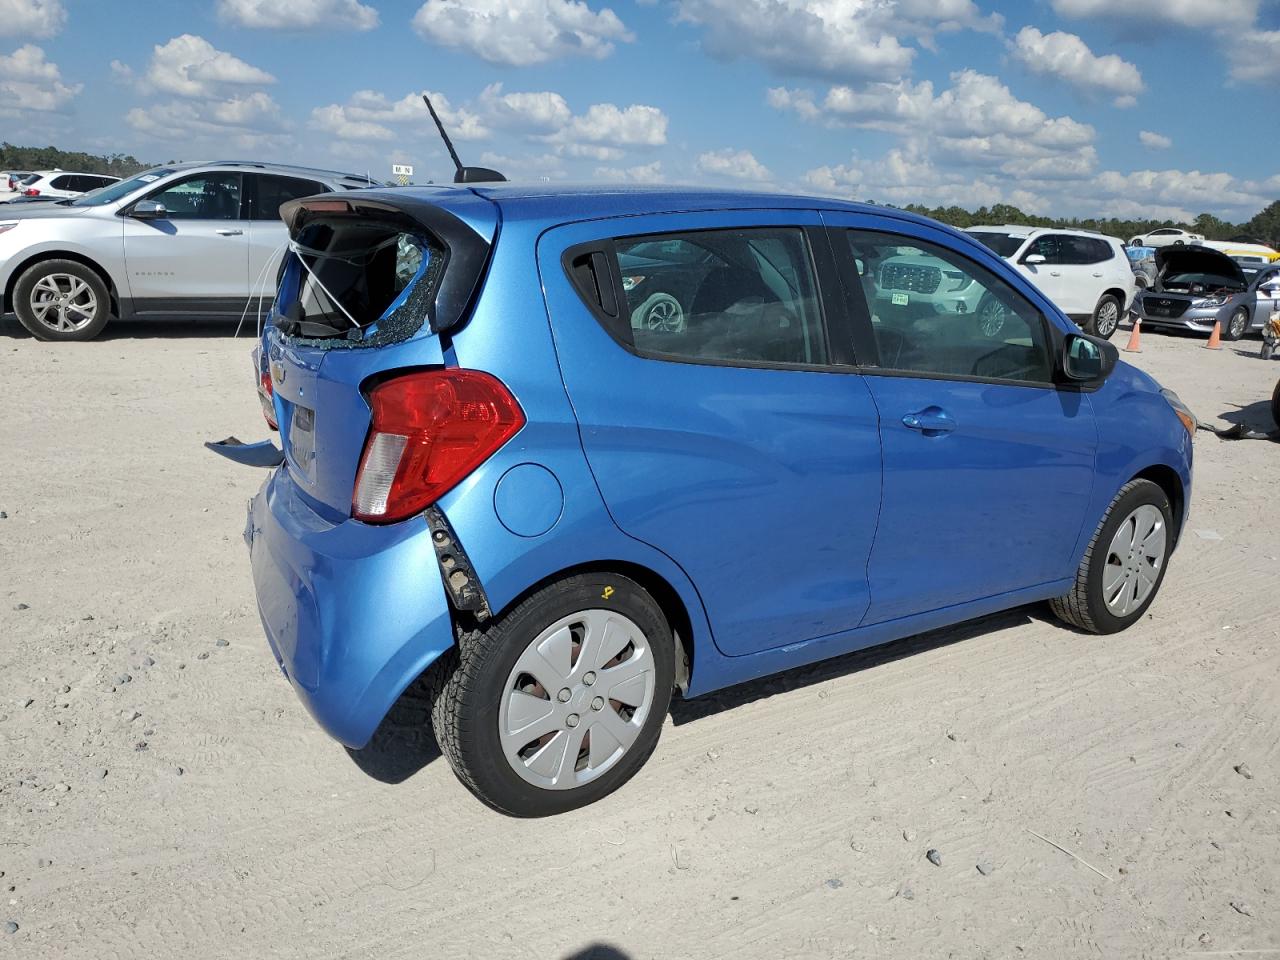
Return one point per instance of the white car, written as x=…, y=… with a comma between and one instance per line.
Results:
x=1087, y=275
x=60, y=184
x=1165, y=237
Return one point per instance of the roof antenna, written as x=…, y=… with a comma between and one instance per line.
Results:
x=462, y=174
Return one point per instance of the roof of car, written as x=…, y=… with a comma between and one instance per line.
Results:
x=268, y=165
x=569, y=202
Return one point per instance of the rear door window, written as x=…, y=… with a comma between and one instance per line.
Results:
x=273, y=190
x=745, y=297
x=63, y=182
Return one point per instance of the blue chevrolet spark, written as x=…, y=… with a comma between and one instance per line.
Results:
x=562, y=453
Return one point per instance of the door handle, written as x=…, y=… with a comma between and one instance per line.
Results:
x=931, y=421
x=1055, y=273
x=229, y=232
x=1097, y=274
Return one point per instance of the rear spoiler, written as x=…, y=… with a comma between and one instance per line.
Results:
x=466, y=233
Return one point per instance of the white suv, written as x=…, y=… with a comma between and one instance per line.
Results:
x=1087, y=275
x=59, y=184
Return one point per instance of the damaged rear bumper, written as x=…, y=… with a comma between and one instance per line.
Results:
x=353, y=612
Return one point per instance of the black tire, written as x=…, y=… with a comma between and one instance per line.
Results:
x=1237, y=324
x=1275, y=404
x=1106, y=317
x=1084, y=606
x=25, y=291
x=466, y=689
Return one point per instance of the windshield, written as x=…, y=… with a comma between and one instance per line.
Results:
x=1004, y=244
x=122, y=189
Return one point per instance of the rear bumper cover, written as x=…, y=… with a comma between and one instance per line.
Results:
x=353, y=612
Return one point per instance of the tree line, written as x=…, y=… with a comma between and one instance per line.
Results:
x=1265, y=227
x=51, y=158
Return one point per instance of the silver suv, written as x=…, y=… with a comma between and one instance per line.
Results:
x=189, y=239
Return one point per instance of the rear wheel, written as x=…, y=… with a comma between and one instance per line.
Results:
x=1275, y=404
x=560, y=701
x=1125, y=563
x=1236, y=324
x=991, y=315
x=1106, y=316
x=62, y=300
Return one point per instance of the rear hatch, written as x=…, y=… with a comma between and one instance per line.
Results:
x=371, y=283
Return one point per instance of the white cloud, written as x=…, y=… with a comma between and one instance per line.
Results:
x=250, y=122
x=1067, y=57
x=607, y=123
x=521, y=32
x=299, y=14
x=977, y=117
x=121, y=71
x=643, y=173
x=537, y=111
x=735, y=164
x=840, y=39
x=1204, y=14
x=30, y=82
x=369, y=115
x=31, y=18
x=191, y=66
x=1255, y=56
x=1154, y=141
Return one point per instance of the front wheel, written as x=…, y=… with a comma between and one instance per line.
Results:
x=1125, y=563
x=1106, y=317
x=1236, y=324
x=560, y=701
x=62, y=300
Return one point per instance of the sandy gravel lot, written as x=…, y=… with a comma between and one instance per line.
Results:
x=163, y=794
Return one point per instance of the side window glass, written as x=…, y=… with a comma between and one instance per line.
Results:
x=1050, y=247
x=274, y=191
x=208, y=196
x=744, y=296
x=62, y=183
x=936, y=312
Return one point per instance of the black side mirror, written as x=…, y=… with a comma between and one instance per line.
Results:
x=149, y=210
x=1087, y=359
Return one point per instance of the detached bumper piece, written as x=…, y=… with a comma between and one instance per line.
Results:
x=263, y=454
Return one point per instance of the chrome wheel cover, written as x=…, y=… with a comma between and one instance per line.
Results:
x=1134, y=560
x=1108, y=318
x=63, y=302
x=991, y=317
x=666, y=315
x=1239, y=320
x=576, y=699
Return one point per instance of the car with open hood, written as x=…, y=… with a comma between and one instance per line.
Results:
x=507, y=481
x=1197, y=286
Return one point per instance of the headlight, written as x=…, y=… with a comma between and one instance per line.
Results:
x=1184, y=414
x=8, y=225
x=1209, y=302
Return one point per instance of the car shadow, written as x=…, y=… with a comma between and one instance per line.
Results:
x=404, y=742
x=153, y=328
x=1255, y=416
x=687, y=711
x=598, y=951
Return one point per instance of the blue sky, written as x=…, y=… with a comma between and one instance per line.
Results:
x=1128, y=108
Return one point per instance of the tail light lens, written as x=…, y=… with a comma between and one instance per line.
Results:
x=430, y=430
x=31, y=192
x=265, y=394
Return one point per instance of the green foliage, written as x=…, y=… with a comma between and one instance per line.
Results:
x=1265, y=226
x=51, y=158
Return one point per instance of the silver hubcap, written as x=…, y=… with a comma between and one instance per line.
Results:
x=63, y=302
x=1134, y=560
x=576, y=699
x=665, y=315
x=1237, y=323
x=991, y=318
x=1108, y=318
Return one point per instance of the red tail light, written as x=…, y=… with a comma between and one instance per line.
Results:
x=31, y=192
x=265, y=394
x=430, y=430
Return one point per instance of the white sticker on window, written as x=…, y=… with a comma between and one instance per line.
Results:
x=149, y=177
x=900, y=299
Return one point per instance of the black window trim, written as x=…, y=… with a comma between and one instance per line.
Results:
x=865, y=345
x=821, y=264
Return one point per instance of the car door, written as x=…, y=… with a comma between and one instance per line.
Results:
x=196, y=256
x=1053, y=277
x=268, y=235
x=1267, y=287
x=719, y=426
x=988, y=466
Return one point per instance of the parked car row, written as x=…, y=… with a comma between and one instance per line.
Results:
x=1196, y=287
x=182, y=240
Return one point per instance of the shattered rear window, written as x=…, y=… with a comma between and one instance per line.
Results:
x=357, y=283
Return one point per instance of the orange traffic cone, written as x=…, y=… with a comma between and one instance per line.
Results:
x=1135, y=338
x=1215, y=338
